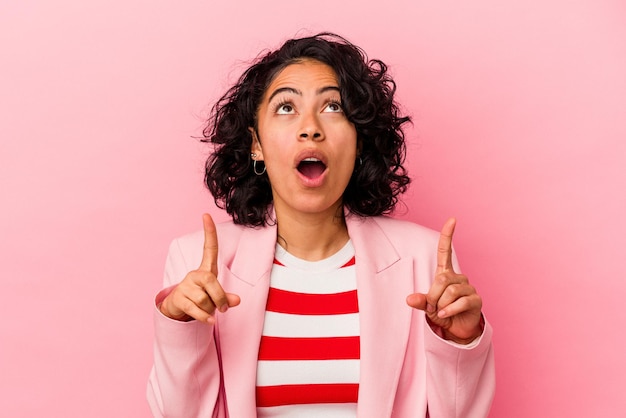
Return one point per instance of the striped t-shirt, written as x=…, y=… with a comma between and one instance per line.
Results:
x=309, y=354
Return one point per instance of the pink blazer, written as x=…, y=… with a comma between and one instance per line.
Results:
x=406, y=369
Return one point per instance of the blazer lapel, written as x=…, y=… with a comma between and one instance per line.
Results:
x=239, y=330
x=383, y=283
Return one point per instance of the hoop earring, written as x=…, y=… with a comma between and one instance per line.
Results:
x=258, y=173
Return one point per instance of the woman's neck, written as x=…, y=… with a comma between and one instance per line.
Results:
x=312, y=237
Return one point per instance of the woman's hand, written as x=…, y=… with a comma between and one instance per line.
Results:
x=199, y=294
x=451, y=303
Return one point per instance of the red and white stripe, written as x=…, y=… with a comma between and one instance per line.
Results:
x=309, y=355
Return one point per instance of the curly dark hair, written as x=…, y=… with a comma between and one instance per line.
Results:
x=367, y=98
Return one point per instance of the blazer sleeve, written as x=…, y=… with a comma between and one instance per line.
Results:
x=185, y=378
x=460, y=379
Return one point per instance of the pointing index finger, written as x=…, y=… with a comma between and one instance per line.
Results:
x=209, y=252
x=444, y=248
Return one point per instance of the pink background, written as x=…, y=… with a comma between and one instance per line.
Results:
x=520, y=132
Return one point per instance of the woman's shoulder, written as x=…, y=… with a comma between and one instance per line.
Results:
x=404, y=236
x=390, y=223
x=404, y=229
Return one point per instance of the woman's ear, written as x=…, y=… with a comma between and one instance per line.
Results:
x=255, y=148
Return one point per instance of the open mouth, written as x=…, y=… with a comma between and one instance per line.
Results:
x=311, y=167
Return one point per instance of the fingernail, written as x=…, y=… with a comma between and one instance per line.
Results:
x=430, y=308
x=441, y=313
x=223, y=308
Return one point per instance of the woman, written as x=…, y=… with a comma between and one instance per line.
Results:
x=315, y=303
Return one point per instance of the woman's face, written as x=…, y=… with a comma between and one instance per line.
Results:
x=308, y=146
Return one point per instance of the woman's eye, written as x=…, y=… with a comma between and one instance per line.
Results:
x=333, y=107
x=284, y=109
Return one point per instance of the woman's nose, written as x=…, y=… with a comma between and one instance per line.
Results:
x=311, y=129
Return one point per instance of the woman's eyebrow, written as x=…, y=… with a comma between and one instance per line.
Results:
x=328, y=88
x=292, y=90
x=284, y=90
